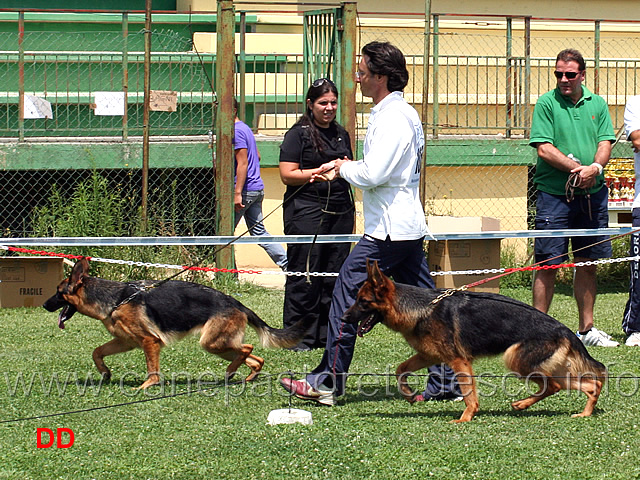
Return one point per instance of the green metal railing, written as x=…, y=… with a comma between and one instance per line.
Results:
x=479, y=84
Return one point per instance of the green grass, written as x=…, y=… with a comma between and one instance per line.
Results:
x=221, y=432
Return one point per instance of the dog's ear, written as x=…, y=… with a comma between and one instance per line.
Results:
x=376, y=277
x=79, y=271
x=374, y=273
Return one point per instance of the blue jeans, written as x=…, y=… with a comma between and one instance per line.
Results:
x=406, y=263
x=252, y=213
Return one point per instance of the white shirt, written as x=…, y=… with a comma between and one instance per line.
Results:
x=389, y=173
x=631, y=123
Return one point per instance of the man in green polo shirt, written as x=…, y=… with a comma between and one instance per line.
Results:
x=573, y=135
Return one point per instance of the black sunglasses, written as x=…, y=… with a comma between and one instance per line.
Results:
x=569, y=75
x=321, y=81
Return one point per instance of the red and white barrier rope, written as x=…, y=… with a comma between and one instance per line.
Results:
x=487, y=271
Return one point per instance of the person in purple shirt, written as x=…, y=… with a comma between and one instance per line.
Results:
x=249, y=188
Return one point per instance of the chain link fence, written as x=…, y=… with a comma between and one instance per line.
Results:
x=71, y=164
x=84, y=159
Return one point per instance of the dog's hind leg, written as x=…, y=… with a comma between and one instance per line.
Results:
x=417, y=362
x=591, y=387
x=255, y=363
x=222, y=335
x=466, y=381
x=117, y=345
x=522, y=358
x=547, y=387
x=151, y=347
x=225, y=347
x=592, y=391
x=239, y=356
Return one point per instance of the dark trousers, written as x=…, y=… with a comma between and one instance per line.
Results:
x=631, y=318
x=310, y=298
x=406, y=263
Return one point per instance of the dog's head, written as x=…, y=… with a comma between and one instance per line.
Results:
x=375, y=299
x=66, y=294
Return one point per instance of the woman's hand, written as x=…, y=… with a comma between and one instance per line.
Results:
x=324, y=173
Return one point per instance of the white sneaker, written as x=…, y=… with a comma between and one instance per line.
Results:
x=597, y=338
x=633, y=340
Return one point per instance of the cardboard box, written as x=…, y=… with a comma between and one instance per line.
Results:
x=452, y=255
x=28, y=281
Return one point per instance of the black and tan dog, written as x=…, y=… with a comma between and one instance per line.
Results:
x=458, y=328
x=140, y=315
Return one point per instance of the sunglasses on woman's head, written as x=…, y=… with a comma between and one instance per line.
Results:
x=569, y=75
x=320, y=82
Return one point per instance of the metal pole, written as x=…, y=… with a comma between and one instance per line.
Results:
x=509, y=80
x=21, y=76
x=436, y=74
x=349, y=51
x=225, y=68
x=145, y=115
x=243, y=68
x=596, y=72
x=306, y=54
x=125, y=73
x=527, y=79
x=425, y=98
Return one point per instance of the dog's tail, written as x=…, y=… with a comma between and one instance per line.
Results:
x=276, y=337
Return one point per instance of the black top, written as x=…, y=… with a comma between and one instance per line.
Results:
x=297, y=147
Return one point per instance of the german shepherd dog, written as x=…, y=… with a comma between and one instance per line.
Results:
x=457, y=328
x=140, y=315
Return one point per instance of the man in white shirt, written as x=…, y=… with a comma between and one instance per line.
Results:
x=395, y=224
x=631, y=318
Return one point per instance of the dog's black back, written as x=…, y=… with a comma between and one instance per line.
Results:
x=174, y=306
x=491, y=322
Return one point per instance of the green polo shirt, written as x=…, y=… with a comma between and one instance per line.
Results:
x=575, y=129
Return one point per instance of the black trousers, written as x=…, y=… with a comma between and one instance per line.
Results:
x=631, y=317
x=310, y=298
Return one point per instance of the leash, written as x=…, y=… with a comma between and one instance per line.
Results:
x=146, y=288
x=139, y=289
x=325, y=210
x=509, y=271
x=572, y=183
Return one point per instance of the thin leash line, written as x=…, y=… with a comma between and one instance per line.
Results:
x=144, y=288
x=290, y=374
x=116, y=405
x=325, y=211
x=480, y=282
x=521, y=269
x=236, y=238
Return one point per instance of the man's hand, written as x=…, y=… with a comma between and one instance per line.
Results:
x=328, y=171
x=237, y=201
x=324, y=173
x=587, y=175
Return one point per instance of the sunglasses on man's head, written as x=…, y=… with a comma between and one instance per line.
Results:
x=320, y=82
x=569, y=75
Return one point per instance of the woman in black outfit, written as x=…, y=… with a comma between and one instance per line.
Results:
x=319, y=208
